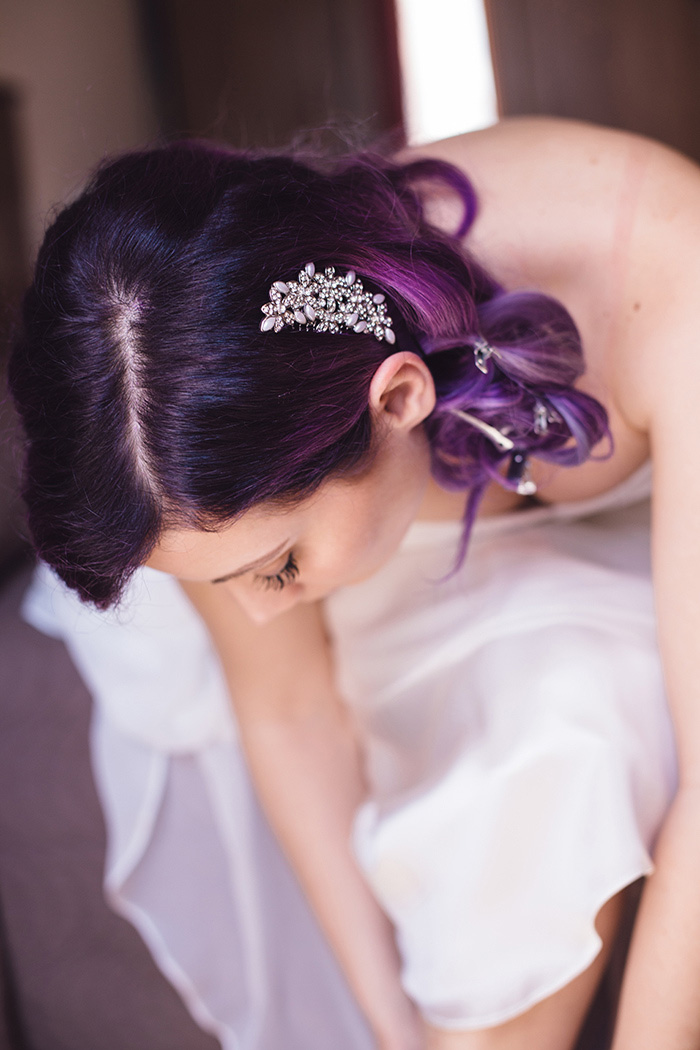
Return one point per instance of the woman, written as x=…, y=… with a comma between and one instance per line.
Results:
x=278, y=458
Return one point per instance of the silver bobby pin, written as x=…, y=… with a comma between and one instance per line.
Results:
x=327, y=303
x=519, y=468
x=482, y=352
x=541, y=419
x=500, y=440
x=544, y=415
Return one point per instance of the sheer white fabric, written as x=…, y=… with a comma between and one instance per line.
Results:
x=190, y=860
x=518, y=749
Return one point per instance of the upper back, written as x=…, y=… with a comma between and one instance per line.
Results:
x=609, y=224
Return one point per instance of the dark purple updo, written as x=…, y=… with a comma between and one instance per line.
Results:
x=150, y=397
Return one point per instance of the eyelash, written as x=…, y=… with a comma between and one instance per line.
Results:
x=279, y=580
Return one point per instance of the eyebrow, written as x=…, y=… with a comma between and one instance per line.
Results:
x=253, y=564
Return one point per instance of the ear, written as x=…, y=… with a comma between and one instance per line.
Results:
x=402, y=391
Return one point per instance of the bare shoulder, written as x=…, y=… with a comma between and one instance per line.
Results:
x=544, y=166
x=659, y=304
x=608, y=222
x=622, y=222
x=549, y=143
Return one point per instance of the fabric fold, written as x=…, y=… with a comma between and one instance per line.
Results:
x=494, y=868
x=519, y=751
x=519, y=758
x=149, y=662
x=190, y=862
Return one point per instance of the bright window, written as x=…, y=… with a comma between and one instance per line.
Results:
x=448, y=83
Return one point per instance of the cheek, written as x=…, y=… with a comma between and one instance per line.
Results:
x=354, y=549
x=331, y=558
x=261, y=605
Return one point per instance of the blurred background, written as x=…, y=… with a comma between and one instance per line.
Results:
x=80, y=79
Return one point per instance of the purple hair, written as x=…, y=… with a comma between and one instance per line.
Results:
x=150, y=397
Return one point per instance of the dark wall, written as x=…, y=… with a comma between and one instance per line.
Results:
x=632, y=64
x=255, y=73
x=14, y=268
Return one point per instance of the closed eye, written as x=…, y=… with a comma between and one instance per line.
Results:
x=278, y=581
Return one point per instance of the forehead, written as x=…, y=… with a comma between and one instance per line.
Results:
x=337, y=512
x=198, y=554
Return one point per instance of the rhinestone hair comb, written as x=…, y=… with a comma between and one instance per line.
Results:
x=327, y=302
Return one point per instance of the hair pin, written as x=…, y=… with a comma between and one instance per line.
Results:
x=544, y=415
x=482, y=352
x=327, y=302
x=502, y=442
x=519, y=473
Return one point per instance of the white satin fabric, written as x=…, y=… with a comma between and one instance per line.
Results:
x=518, y=750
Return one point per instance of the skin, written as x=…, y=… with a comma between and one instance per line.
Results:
x=610, y=225
x=346, y=530
x=342, y=533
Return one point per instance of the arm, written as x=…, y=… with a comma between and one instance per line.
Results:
x=660, y=1006
x=304, y=760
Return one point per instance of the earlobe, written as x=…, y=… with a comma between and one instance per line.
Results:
x=402, y=391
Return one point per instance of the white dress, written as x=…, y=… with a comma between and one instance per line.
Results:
x=519, y=755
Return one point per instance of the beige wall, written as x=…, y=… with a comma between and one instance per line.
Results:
x=77, y=67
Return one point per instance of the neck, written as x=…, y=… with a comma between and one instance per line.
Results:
x=440, y=505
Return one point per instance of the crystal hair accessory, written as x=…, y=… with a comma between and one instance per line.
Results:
x=482, y=352
x=519, y=475
x=327, y=302
x=543, y=416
